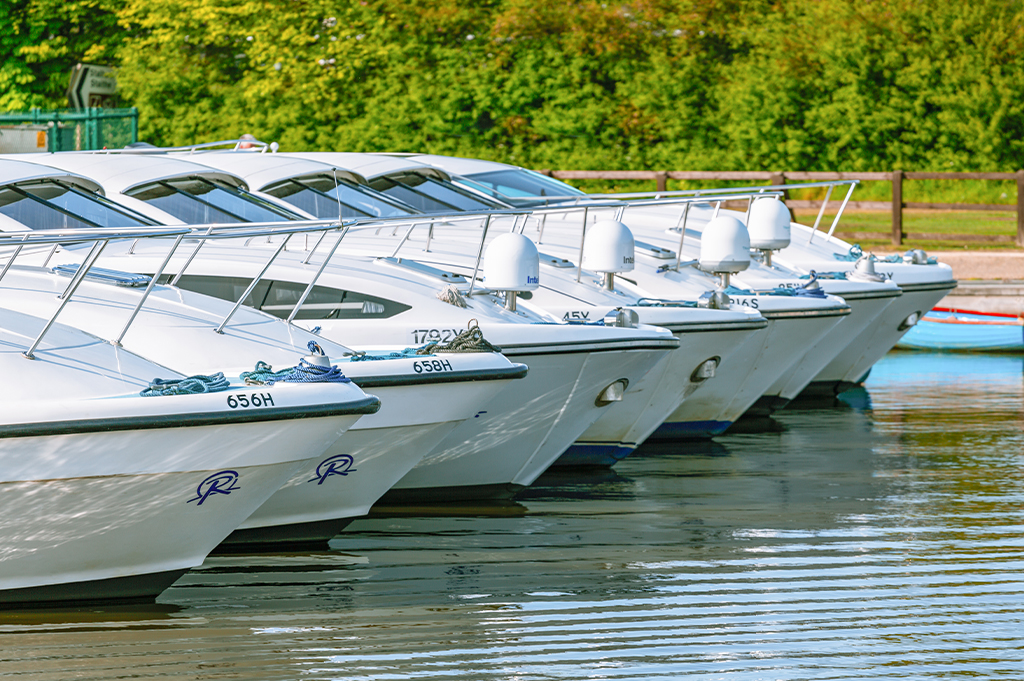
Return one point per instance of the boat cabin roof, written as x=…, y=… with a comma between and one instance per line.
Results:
x=262, y=170
x=372, y=166
x=120, y=173
x=461, y=166
x=16, y=170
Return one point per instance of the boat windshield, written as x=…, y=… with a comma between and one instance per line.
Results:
x=198, y=200
x=52, y=204
x=319, y=197
x=518, y=183
x=431, y=195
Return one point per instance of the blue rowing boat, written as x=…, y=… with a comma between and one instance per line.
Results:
x=947, y=329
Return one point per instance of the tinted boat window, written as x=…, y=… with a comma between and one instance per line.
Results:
x=235, y=201
x=181, y=205
x=317, y=197
x=49, y=204
x=522, y=183
x=279, y=297
x=368, y=200
x=418, y=200
x=327, y=303
x=198, y=200
x=460, y=198
x=35, y=214
x=430, y=195
x=94, y=209
x=225, y=288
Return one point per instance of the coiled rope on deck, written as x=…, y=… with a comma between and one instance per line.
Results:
x=304, y=372
x=470, y=340
x=450, y=294
x=398, y=354
x=191, y=385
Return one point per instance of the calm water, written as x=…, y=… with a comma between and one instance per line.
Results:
x=880, y=540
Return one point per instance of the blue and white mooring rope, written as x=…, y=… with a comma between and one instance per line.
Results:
x=192, y=385
x=304, y=372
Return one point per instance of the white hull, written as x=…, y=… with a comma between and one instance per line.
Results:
x=863, y=318
x=374, y=455
x=173, y=323
x=526, y=427
x=627, y=424
x=923, y=286
x=872, y=345
x=739, y=385
x=84, y=507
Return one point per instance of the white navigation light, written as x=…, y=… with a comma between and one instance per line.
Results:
x=609, y=247
x=769, y=225
x=512, y=263
x=724, y=246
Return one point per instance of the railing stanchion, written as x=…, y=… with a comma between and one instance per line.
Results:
x=323, y=265
x=821, y=212
x=583, y=238
x=252, y=285
x=842, y=207
x=188, y=261
x=149, y=288
x=10, y=262
x=682, y=234
x=479, y=254
x=897, y=207
x=65, y=297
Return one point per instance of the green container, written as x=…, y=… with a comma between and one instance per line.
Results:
x=82, y=130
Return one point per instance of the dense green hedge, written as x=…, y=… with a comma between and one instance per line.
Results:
x=714, y=84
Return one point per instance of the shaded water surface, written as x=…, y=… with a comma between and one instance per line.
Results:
x=880, y=540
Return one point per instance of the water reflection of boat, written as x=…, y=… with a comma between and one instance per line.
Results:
x=948, y=329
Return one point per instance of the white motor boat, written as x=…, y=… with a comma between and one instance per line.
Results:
x=785, y=365
x=862, y=280
x=503, y=448
x=354, y=474
x=708, y=338
x=750, y=365
x=508, y=442
x=108, y=495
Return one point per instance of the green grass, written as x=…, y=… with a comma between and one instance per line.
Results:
x=915, y=221
x=920, y=221
x=914, y=191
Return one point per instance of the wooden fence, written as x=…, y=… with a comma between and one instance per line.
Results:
x=896, y=177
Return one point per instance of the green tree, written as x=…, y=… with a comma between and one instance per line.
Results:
x=43, y=39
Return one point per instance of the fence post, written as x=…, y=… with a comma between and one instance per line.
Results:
x=1020, y=208
x=897, y=208
x=135, y=125
x=662, y=177
x=779, y=178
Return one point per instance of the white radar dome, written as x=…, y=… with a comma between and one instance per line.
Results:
x=609, y=247
x=725, y=245
x=768, y=225
x=511, y=263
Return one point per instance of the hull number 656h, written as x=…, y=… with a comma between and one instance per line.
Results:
x=250, y=400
